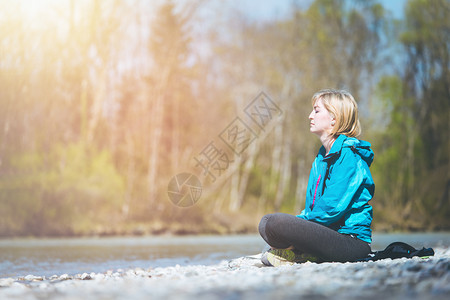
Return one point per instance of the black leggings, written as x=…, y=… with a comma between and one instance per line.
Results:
x=282, y=231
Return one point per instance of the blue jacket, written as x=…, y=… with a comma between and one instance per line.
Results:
x=339, y=188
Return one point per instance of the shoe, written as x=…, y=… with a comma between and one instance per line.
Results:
x=264, y=259
x=285, y=257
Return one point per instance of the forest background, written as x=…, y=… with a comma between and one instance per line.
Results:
x=102, y=103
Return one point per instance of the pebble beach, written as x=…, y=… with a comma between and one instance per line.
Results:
x=247, y=278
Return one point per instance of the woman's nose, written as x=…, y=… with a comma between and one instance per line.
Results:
x=311, y=115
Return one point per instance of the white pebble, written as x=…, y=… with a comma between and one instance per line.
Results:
x=85, y=276
x=64, y=277
x=5, y=282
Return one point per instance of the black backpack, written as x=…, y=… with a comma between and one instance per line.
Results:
x=399, y=250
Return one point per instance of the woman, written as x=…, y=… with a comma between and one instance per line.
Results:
x=335, y=224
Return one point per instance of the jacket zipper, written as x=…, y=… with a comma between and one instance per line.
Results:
x=315, y=192
x=317, y=184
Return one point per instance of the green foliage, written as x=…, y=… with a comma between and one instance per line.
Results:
x=60, y=192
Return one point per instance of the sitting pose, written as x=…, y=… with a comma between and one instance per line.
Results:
x=335, y=224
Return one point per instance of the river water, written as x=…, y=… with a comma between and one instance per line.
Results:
x=47, y=257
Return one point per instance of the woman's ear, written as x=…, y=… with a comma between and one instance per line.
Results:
x=333, y=123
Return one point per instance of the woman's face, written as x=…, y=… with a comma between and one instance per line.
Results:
x=321, y=121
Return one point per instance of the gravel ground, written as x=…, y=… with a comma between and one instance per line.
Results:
x=247, y=278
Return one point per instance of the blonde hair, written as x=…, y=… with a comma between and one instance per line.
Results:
x=343, y=108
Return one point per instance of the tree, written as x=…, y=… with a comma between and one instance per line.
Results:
x=53, y=87
x=414, y=150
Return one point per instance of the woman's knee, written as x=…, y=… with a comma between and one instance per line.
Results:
x=271, y=228
x=270, y=222
x=262, y=225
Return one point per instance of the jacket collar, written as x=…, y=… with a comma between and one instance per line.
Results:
x=335, y=149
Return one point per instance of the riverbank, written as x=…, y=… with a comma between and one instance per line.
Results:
x=247, y=278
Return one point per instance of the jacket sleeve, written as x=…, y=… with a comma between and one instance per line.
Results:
x=345, y=181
